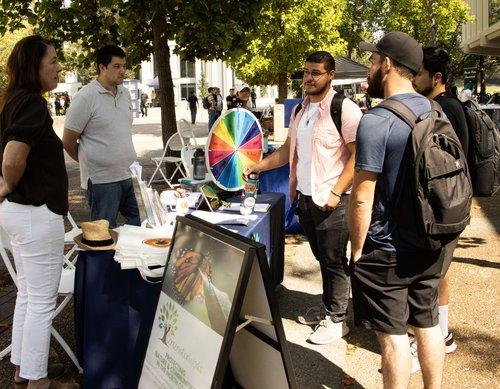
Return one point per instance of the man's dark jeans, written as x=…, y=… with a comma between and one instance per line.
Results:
x=327, y=234
x=106, y=200
x=193, y=115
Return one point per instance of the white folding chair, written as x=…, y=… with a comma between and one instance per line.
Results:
x=71, y=254
x=174, y=143
x=186, y=132
x=65, y=289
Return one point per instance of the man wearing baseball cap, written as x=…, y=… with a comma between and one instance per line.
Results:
x=395, y=284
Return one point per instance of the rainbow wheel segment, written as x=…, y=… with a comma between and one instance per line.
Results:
x=234, y=142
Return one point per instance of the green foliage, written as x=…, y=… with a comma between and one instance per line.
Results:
x=360, y=19
x=202, y=86
x=414, y=18
x=7, y=43
x=287, y=30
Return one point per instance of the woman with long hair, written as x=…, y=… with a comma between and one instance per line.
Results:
x=34, y=198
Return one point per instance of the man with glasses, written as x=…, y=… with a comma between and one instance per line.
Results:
x=321, y=158
x=98, y=135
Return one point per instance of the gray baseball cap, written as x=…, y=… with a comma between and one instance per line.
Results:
x=400, y=47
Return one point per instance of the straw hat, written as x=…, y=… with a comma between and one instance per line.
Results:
x=96, y=236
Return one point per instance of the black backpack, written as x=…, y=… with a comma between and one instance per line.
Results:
x=335, y=110
x=205, y=103
x=434, y=206
x=484, y=150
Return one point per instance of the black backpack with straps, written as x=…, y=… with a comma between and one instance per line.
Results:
x=335, y=110
x=435, y=202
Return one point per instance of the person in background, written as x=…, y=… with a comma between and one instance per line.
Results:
x=66, y=101
x=231, y=99
x=218, y=105
x=253, y=97
x=34, y=199
x=193, y=106
x=212, y=106
x=243, y=97
x=144, y=104
x=98, y=135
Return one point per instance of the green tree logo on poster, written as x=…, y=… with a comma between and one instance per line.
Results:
x=168, y=321
x=255, y=237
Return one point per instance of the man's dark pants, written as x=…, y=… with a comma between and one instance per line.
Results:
x=327, y=234
x=109, y=199
x=193, y=115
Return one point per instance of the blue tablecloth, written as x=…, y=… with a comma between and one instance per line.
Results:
x=276, y=180
x=114, y=308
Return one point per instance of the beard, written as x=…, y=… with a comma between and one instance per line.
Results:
x=424, y=90
x=318, y=92
x=375, y=88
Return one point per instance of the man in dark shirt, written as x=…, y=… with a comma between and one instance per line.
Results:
x=394, y=284
x=231, y=99
x=193, y=106
x=431, y=82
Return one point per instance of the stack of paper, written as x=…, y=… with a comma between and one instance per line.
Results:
x=142, y=247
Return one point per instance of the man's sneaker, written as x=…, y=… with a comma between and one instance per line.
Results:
x=312, y=316
x=415, y=364
x=450, y=346
x=327, y=331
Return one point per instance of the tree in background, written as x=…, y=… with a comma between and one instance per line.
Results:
x=361, y=18
x=7, y=42
x=431, y=22
x=286, y=31
x=201, y=29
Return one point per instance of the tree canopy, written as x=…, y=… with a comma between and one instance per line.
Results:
x=201, y=28
x=7, y=43
x=284, y=33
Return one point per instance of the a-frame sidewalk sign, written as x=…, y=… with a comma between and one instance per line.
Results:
x=217, y=322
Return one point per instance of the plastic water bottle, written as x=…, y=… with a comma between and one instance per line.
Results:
x=199, y=168
x=250, y=196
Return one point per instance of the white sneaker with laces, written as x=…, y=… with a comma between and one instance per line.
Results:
x=313, y=315
x=327, y=331
x=450, y=346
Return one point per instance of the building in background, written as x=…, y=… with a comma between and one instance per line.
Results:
x=187, y=76
x=482, y=36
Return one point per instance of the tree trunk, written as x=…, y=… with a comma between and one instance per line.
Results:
x=432, y=23
x=282, y=87
x=166, y=93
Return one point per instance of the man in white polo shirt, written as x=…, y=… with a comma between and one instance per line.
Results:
x=98, y=135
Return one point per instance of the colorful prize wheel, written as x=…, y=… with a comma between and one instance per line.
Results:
x=234, y=141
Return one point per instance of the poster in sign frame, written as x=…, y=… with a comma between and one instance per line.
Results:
x=199, y=314
x=197, y=311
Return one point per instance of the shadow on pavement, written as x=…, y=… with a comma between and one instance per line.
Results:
x=481, y=348
x=313, y=370
x=491, y=209
x=477, y=262
x=466, y=242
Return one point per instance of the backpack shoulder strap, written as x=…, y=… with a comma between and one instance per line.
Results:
x=336, y=110
x=298, y=108
x=400, y=110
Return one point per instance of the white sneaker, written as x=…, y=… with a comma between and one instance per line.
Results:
x=327, y=331
x=313, y=315
x=450, y=346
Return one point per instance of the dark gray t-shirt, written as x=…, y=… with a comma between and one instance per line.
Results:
x=380, y=148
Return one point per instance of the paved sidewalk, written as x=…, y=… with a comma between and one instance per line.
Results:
x=351, y=362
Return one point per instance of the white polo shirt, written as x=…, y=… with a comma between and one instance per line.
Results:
x=105, y=123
